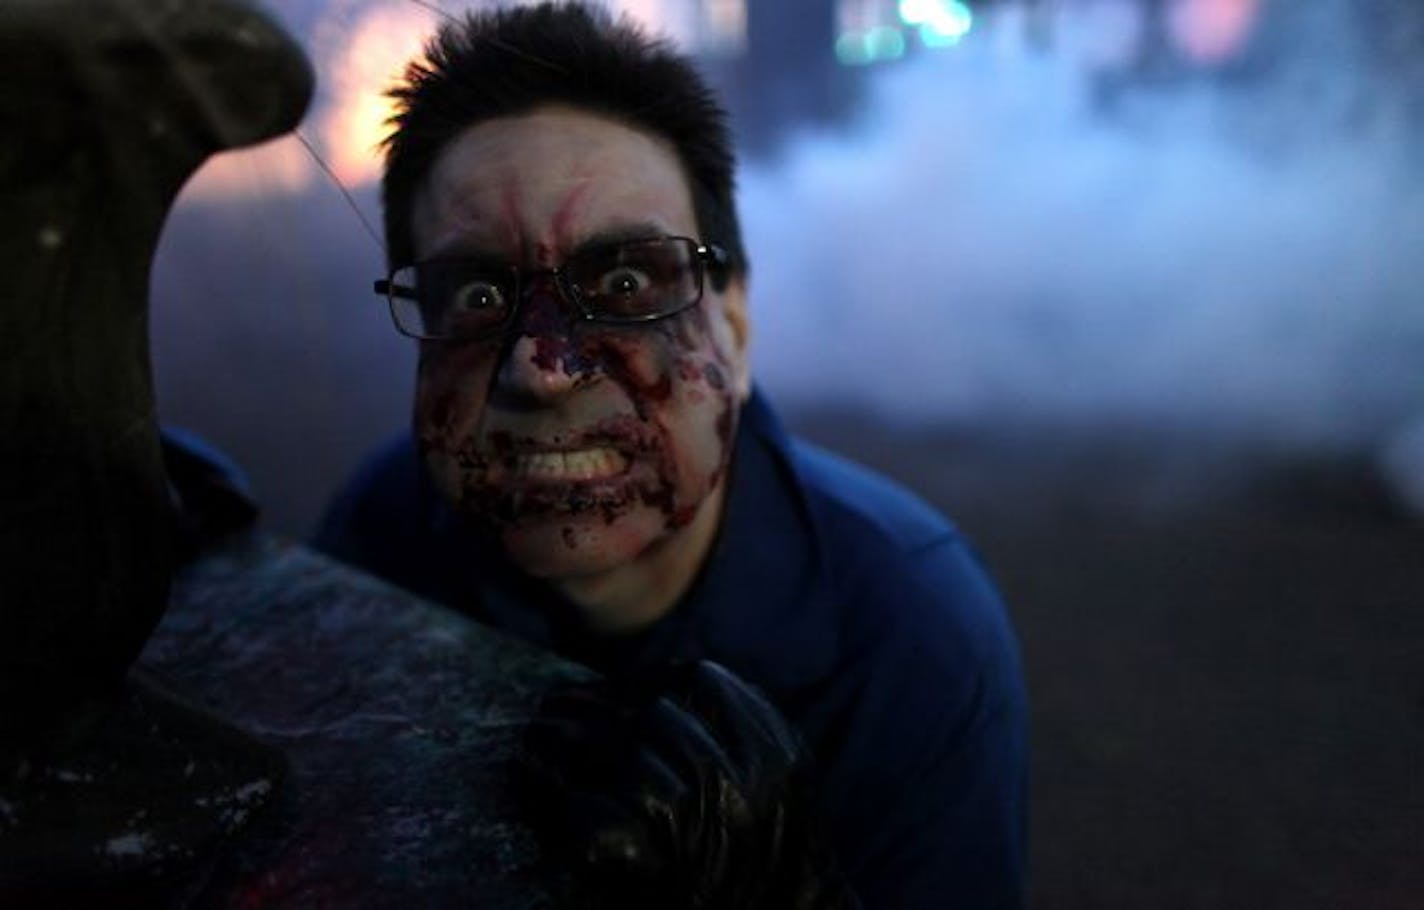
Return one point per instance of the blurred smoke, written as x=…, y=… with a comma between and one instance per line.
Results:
x=1005, y=237
x=996, y=243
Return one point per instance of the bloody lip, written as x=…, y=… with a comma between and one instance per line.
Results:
x=588, y=465
x=511, y=501
x=632, y=439
x=499, y=489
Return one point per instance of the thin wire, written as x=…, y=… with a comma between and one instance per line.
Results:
x=345, y=193
x=331, y=174
x=434, y=8
x=510, y=49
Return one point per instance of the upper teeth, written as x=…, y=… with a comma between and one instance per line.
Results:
x=584, y=464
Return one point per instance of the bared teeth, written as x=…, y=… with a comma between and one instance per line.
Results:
x=584, y=464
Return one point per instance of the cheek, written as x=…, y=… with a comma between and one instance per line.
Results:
x=670, y=364
x=451, y=387
x=677, y=376
x=702, y=367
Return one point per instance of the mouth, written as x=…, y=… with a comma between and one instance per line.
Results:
x=535, y=485
x=512, y=479
x=575, y=466
x=598, y=472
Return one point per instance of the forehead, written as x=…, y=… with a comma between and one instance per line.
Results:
x=548, y=179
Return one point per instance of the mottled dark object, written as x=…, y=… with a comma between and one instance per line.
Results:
x=128, y=805
x=680, y=788
x=111, y=793
x=106, y=108
x=399, y=720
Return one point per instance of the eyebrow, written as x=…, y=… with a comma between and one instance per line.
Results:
x=610, y=236
x=623, y=233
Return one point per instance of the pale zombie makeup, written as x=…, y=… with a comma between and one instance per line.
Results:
x=579, y=446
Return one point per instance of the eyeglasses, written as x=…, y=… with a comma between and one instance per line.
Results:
x=630, y=282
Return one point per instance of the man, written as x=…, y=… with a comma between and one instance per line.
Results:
x=592, y=469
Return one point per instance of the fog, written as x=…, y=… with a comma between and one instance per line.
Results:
x=1003, y=236
x=990, y=244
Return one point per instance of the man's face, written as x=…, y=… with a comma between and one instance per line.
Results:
x=579, y=445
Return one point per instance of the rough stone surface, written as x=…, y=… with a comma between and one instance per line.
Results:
x=128, y=804
x=398, y=719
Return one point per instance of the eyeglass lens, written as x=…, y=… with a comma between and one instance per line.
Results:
x=625, y=282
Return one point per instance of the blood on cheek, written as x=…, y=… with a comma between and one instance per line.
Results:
x=673, y=377
x=448, y=374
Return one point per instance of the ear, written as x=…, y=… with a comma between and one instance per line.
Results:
x=734, y=309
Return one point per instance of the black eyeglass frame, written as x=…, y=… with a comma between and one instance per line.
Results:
x=710, y=258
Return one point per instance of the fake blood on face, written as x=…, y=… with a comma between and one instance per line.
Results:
x=555, y=330
x=647, y=363
x=669, y=374
x=531, y=188
x=445, y=372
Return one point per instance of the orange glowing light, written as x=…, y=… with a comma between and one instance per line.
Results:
x=360, y=48
x=673, y=19
x=279, y=166
x=367, y=59
x=1212, y=31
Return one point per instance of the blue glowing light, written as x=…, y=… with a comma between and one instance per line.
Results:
x=851, y=49
x=941, y=23
x=885, y=42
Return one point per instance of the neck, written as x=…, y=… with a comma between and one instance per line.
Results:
x=633, y=596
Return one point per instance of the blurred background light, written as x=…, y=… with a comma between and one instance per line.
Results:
x=363, y=54
x=941, y=23
x=725, y=31
x=1212, y=31
x=883, y=42
x=852, y=49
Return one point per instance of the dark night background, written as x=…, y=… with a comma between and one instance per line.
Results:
x=1133, y=296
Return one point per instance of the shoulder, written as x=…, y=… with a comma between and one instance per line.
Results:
x=921, y=620
x=922, y=726
x=905, y=571
x=891, y=600
x=849, y=564
x=860, y=502
x=381, y=482
x=379, y=511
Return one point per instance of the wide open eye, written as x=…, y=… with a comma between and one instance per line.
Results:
x=475, y=297
x=462, y=298
x=472, y=308
x=624, y=281
x=635, y=280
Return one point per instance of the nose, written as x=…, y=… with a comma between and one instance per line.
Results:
x=542, y=362
x=535, y=370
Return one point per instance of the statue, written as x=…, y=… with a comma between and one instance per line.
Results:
x=337, y=741
x=107, y=109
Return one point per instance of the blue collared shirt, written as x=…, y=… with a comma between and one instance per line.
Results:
x=858, y=609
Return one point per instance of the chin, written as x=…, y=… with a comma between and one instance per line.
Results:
x=571, y=546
